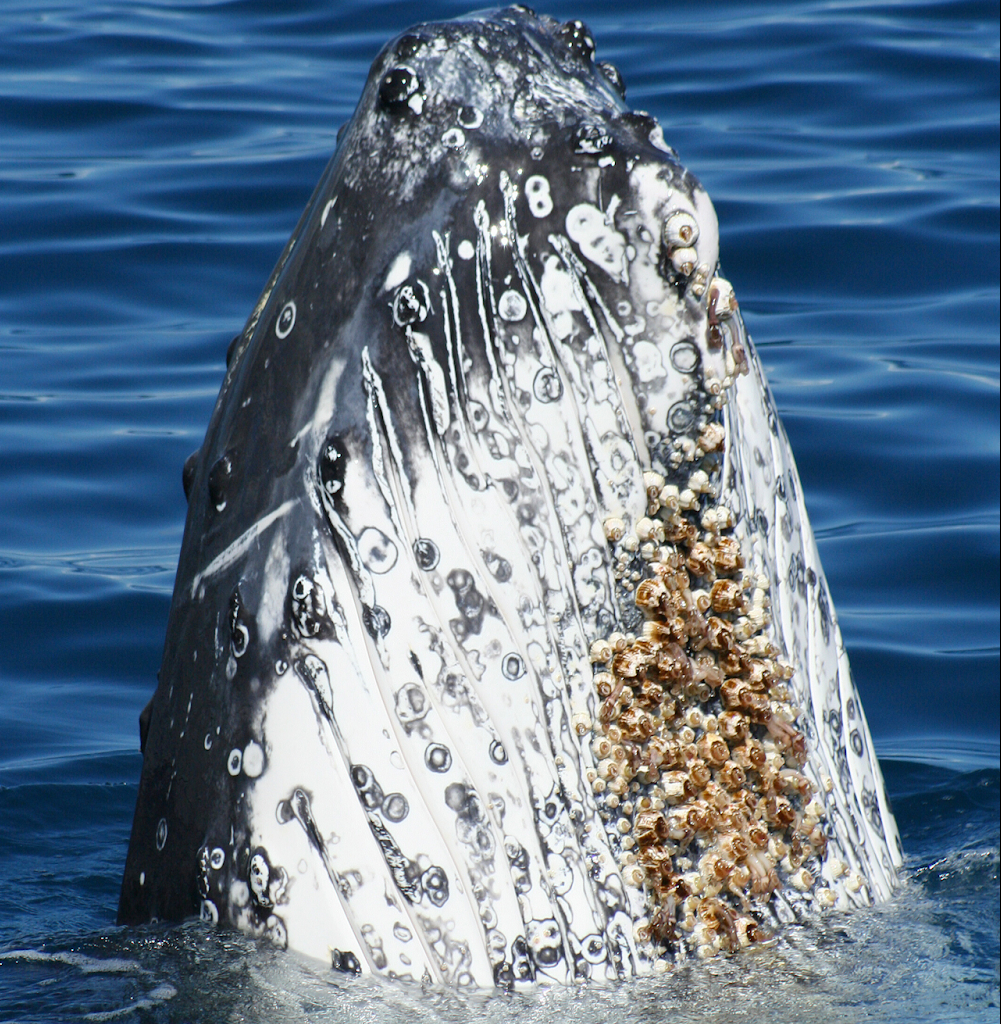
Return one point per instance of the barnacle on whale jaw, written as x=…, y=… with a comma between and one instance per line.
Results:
x=698, y=750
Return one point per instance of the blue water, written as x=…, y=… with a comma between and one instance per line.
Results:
x=154, y=158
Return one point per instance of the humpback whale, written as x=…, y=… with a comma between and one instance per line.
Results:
x=500, y=650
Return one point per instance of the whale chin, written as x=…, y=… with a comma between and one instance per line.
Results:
x=500, y=649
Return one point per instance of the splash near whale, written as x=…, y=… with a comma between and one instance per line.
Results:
x=500, y=649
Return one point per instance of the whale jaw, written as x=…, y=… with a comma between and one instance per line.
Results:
x=500, y=649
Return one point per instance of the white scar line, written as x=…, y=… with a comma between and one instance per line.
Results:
x=240, y=546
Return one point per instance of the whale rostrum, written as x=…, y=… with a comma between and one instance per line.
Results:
x=500, y=649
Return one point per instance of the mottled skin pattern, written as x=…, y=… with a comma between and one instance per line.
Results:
x=371, y=737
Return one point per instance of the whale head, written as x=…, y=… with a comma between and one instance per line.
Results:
x=500, y=648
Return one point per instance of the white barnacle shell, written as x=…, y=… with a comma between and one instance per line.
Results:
x=681, y=230
x=684, y=261
x=722, y=301
x=826, y=898
x=645, y=528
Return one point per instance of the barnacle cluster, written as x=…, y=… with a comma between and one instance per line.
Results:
x=698, y=758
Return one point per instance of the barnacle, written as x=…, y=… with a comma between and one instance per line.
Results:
x=698, y=756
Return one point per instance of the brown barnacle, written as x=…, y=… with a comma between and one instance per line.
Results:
x=673, y=664
x=676, y=886
x=749, y=932
x=718, y=917
x=719, y=634
x=755, y=753
x=759, y=673
x=657, y=861
x=768, y=779
x=636, y=724
x=755, y=704
x=662, y=926
x=747, y=797
x=727, y=595
x=627, y=663
x=733, y=726
x=700, y=772
x=662, y=751
x=701, y=816
x=732, y=775
x=758, y=835
x=713, y=748
x=649, y=694
x=700, y=559
x=779, y=812
x=649, y=595
x=650, y=828
x=734, y=692
x=715, y=865
x=678, y=628
x=677, y=786
x=679, y=530
x=668, y=709
x=727, y=557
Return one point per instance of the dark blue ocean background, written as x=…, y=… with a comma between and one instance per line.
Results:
x=154, y=158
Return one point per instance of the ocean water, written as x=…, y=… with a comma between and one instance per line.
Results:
x=154, y=158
